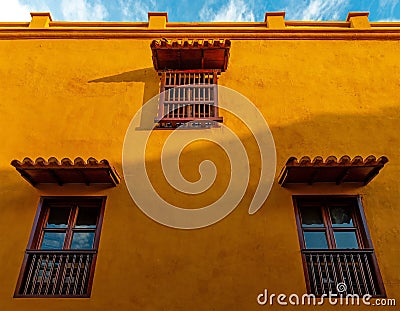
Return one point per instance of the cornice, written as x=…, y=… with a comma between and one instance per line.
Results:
x=275, y=27
x=374, y=33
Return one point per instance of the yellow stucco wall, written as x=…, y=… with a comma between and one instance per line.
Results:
x=76, y=97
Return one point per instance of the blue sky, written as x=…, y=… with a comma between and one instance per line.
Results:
x=192, y=10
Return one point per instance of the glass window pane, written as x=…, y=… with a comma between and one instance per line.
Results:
x=311, y=216
x=58, y=217
x=53, y=240
x=82, y=240
x=341, y=216
x=87, y=217
x=315, y=239
x=346, y=239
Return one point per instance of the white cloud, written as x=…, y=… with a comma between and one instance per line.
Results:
x=387, y=7
x=391, y=19
x=83, y=10
x=233, y=11
x=316, y=9
x=385, y=4
x=136, y=10
x=14, y=11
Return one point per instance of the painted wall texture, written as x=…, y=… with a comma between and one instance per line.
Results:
x=70, y=89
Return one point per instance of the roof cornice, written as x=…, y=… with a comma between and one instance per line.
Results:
x=275, y=27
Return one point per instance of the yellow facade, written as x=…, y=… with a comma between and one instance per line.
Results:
x=71, y=89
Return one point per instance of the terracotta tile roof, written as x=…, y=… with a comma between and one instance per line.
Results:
x=190, y=54
x=191, y=43
x=343, y=170
x=67, y=171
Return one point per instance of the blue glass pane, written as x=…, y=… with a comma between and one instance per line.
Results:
x=53, y=240
x=346, y=239
x=341, y=217
x=87, y=217
x=311, y=216
x=315, y=239
x=58, y=217
x=82, y=240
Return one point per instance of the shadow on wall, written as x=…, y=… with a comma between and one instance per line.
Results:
x=148, y=76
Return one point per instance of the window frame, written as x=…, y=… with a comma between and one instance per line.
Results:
x=362, y=232
x=173, y=120
x=324, y=202
x=36, y=234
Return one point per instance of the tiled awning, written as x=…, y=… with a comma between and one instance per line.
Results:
x=344, y=170
x=67, y=171
x=190, y=54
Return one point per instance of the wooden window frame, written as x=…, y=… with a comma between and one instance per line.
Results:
x=37, y=231
x=360, y=223
x=191, y=78
x=359, y=226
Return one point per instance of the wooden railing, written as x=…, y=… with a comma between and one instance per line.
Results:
x=188, y=96
x=56, y=273
x=357, y=269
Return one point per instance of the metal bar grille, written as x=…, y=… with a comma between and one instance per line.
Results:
x=57, y=273
x=328, y=268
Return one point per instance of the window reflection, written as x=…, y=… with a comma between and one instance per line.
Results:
x=53, y=240
x=82, y=240
x=346, y=239
x=315, y=239
x=341, y=216
x=311, y=216
x=58, y=217
x=87, y=217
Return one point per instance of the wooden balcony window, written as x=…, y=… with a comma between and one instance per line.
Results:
x=189, y=70
x=188, y=99
x=336, y=246
x=61, y=254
